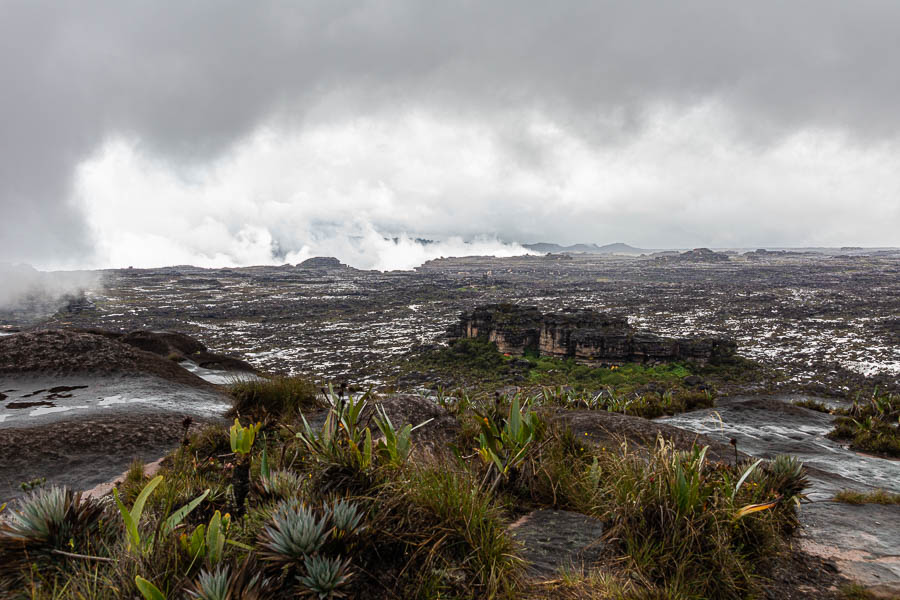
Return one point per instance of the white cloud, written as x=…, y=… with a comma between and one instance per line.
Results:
x=340, y=187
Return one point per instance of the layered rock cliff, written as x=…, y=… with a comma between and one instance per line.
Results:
x=584, y=335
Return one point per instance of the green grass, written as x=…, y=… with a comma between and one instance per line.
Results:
x=553, y=371
x=875, y=497
x=857, y=592
x=811, y=404
x=649, y=390
x=434, y=526
x=273, y=397
x=871, y=425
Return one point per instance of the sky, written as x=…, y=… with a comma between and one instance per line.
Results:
x=225, y=133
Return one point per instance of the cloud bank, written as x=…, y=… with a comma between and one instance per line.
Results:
x=228, y=133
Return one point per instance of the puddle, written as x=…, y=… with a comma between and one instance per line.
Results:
x=112, y=400
x=53, y=409
x=47, y=399
x=218, y=377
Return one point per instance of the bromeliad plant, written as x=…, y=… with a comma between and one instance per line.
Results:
x=342, y=439
x=242, y=439
x=298, y=535
x=137, y=543
x=397, y=443
x=207, y=542
x=504, y=446
x=48, y=522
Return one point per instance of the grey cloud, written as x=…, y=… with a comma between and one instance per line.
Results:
x=189, y=78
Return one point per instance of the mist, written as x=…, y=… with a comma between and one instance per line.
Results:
x=26, y=290
x=362, y=191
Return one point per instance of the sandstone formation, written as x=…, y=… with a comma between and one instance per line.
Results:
x=697, y=255
x=585, y=335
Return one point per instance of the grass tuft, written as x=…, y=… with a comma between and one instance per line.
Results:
x=275, y=397
x=875, y=497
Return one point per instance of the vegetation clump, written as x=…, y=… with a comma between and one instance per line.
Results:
x=871, y=425
x=273, y=396
x=873, y=497
x=646, y=390
x=341, y=502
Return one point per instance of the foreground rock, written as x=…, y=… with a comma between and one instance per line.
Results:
x=76, y=407
x=557, y=540
x=584, y=335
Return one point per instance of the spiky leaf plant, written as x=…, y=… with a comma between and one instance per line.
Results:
x=211, y=586
x=277, y=485
x=48, y=519
x=787, y=476
x=324, y=576
x=225, y=583
x=346, y=518
x=293, y=533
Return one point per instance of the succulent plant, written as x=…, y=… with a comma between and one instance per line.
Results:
x=293, y=533
x=324, y=576
x=211, y=586
x=346, y=517
x=278, y=485
x=225, y=583
x=47, y=519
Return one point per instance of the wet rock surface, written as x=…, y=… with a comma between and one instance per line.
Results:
x=78, y=406
x=585, y=335
x=65, y=352
x=83, y=451
x=825, y=319
x=863, y=541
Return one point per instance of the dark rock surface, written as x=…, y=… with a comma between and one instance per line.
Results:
x=697, y=255
x=64, y=352
x=584, y=334
x=553, y=540
x=178, y=346
x=321, y=262
x=84, y=451
x=609, y=429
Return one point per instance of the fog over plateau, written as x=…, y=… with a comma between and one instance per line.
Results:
x=149, y=134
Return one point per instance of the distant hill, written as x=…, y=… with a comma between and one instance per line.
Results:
x=617, y=248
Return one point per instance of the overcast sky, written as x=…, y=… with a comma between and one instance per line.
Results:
x=227, y=133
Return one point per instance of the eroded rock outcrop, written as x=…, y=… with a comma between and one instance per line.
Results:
x=697, y=255
x=584, y=335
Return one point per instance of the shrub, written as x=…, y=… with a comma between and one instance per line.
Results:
x=688, y=525
x=871, y=425
x=278, y=485
x=275, y=397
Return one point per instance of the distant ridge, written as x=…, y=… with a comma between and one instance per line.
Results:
x=617, y=248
